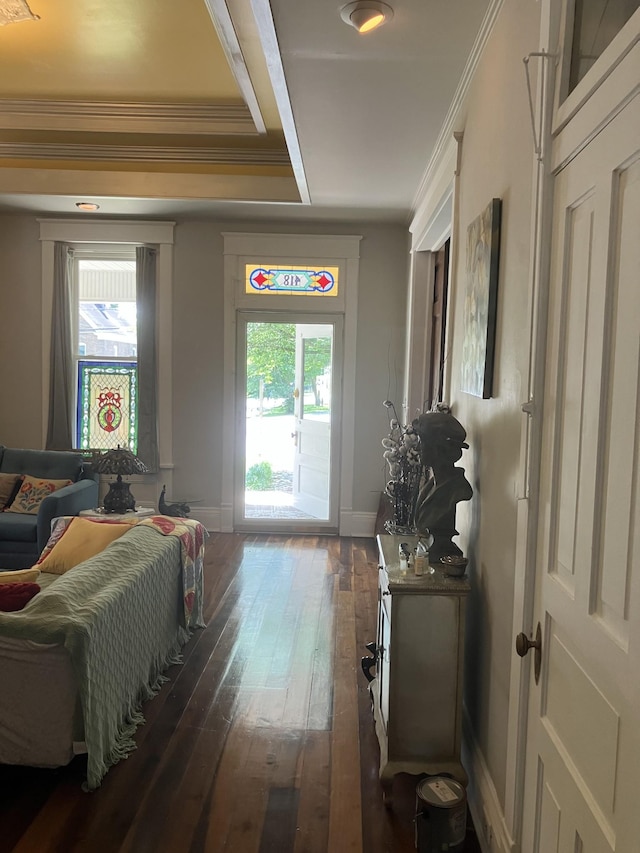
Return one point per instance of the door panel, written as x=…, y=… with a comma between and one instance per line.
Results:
x=583, y=756
x=312, y=459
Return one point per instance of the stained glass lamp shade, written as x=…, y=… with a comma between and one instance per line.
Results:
x=119, y=461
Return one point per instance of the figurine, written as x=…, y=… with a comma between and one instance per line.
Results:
x=442, y=439
x=177, y=510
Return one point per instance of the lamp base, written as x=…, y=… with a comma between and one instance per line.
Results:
x=119, y=499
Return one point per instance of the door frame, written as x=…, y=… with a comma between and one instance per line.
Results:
x=342, y=251
x=289, y=525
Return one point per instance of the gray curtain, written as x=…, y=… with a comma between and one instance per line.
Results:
x=147, y=368
x=59, y=427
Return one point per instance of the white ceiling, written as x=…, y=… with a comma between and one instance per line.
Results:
x=368, y=108
x=361, y=115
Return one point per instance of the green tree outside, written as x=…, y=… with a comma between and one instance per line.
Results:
x=271, y=350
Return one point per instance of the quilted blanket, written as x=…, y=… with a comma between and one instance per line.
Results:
x=121, y=627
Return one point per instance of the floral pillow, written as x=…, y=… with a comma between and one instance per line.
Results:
x=32, y=492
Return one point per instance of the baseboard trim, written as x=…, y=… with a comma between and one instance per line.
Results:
x=484, y=804
x=358, y=524
x=209, y=516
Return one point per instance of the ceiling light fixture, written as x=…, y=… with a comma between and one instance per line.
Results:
x=366, y=15
x=14, y=11
x=87, y=205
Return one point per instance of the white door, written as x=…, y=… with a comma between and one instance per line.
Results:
x=583, y=746
x=312, y=408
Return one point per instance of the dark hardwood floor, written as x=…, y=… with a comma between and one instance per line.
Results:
x=263, y=739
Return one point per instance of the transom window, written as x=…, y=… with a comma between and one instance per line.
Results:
x=290, y=280
x=595, y=24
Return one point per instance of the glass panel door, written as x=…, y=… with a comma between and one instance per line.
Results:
x=287, y=447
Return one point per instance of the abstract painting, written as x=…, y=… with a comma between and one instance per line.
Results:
x=483, y=254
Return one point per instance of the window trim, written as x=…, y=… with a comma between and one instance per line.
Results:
x=101, y=234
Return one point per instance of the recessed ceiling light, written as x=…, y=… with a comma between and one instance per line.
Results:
x=87, y=205
x=366, y=15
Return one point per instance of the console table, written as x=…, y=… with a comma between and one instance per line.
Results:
x=418, y=658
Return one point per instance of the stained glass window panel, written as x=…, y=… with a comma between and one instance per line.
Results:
x=107, y=405
x=291, y=280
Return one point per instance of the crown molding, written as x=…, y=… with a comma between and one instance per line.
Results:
x=120, y=117
x=448, y=128
x=143, y=154
x=138, y=183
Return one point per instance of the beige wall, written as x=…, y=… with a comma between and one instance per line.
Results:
x=20, y=339
x=198, y=345
x=497, y=162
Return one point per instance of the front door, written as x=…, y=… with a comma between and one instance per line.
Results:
x=288, y=402
x=583, y=744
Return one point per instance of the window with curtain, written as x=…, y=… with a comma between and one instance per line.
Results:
x=103, y=378
x=106, y=350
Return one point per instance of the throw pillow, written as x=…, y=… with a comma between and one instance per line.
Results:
x=19, y=576
x=8, y=484
x=14, y=596
x=32, y=492
x=82, y=539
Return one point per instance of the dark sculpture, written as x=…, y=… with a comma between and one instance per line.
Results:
x=177, y=510
x=442, y=439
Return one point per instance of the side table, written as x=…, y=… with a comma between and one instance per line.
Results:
x=139, y=512
x=418, y=657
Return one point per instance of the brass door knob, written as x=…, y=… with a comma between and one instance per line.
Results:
x=524, y=643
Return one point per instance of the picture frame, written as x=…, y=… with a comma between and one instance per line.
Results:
x=481, y=299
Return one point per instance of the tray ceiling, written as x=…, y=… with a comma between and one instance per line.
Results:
x=208, y=102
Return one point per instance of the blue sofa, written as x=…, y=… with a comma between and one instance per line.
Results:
x=23, y=536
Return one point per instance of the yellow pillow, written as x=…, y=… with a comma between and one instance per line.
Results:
x=82, y=539
x=32, y=492
x=20, y=576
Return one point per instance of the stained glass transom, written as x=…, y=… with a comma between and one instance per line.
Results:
x=303, y=281
x=107, y=405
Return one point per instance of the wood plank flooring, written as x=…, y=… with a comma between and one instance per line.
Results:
x=263, y=739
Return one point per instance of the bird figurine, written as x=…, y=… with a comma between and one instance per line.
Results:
x=177, y=510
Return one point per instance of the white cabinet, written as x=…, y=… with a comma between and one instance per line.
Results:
x=417, y=689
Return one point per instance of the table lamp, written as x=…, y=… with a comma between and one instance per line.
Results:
x=119, y=461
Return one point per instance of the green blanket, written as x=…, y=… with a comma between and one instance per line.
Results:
x=120, y=616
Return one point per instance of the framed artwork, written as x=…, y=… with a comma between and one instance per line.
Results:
x=483, y=255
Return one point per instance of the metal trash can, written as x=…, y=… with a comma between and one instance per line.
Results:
x=441, y=815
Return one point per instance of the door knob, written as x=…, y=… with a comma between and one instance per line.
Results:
x=524, y=643
x=368, y=662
